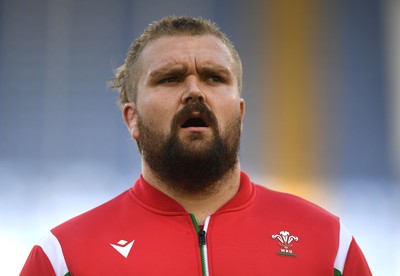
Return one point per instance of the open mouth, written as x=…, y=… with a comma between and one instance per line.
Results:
x=195, y=122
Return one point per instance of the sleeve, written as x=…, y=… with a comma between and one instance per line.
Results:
x=46, y=259
x=356, y=264
x=350, y=260
x=37, y=264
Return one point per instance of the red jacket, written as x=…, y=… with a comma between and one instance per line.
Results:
x=144, y=232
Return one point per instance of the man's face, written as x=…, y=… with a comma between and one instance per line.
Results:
x=188, y=110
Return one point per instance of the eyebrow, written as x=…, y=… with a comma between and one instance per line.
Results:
x=214, y=68
x=170, y=69
x=166, y=70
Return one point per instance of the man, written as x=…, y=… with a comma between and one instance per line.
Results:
x=193, y=211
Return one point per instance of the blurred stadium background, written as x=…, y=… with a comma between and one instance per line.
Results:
x=322, y=88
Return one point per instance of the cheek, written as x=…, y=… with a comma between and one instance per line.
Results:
x=228, y=111
x=157, y=113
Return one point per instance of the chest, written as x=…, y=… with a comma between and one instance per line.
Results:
x=233, y=244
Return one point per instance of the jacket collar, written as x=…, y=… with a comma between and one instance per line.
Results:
x=156, y=201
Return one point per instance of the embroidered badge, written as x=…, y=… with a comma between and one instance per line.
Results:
x=285, y=242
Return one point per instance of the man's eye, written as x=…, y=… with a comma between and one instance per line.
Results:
x=170, y=80
x=215, y=79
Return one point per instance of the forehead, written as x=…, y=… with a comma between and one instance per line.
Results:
x=182, y=49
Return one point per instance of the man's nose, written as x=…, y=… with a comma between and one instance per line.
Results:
x=193, y=91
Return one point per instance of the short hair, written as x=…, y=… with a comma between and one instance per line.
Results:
x=125, y=80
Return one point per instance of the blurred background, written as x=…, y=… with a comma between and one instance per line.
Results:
x=321, y=84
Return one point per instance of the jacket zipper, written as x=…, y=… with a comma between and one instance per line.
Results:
x=201, y=233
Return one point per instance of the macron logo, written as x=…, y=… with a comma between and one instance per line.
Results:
x=123, y=247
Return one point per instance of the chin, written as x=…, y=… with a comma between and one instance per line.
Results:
x=196, y=149
x=196, y=137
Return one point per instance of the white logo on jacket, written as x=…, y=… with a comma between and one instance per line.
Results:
x=123, y=247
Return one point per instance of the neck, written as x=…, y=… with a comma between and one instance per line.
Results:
x=200, y=205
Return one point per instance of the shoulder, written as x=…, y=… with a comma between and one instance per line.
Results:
x=103, y=214
x=289, y=206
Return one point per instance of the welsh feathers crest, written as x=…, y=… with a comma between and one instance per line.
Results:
x=285, y=241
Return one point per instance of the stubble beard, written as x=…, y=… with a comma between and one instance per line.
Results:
x=193, y=166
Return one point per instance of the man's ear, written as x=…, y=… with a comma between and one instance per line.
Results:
x=129, y=114
x=242, y=111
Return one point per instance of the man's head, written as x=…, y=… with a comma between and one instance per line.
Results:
x=126, y=76
x=185, y=112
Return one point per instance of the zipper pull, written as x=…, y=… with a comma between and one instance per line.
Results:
x=202, y=237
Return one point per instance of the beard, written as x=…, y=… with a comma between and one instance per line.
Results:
x=194, y=166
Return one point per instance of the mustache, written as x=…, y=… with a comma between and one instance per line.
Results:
x=190, y=108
